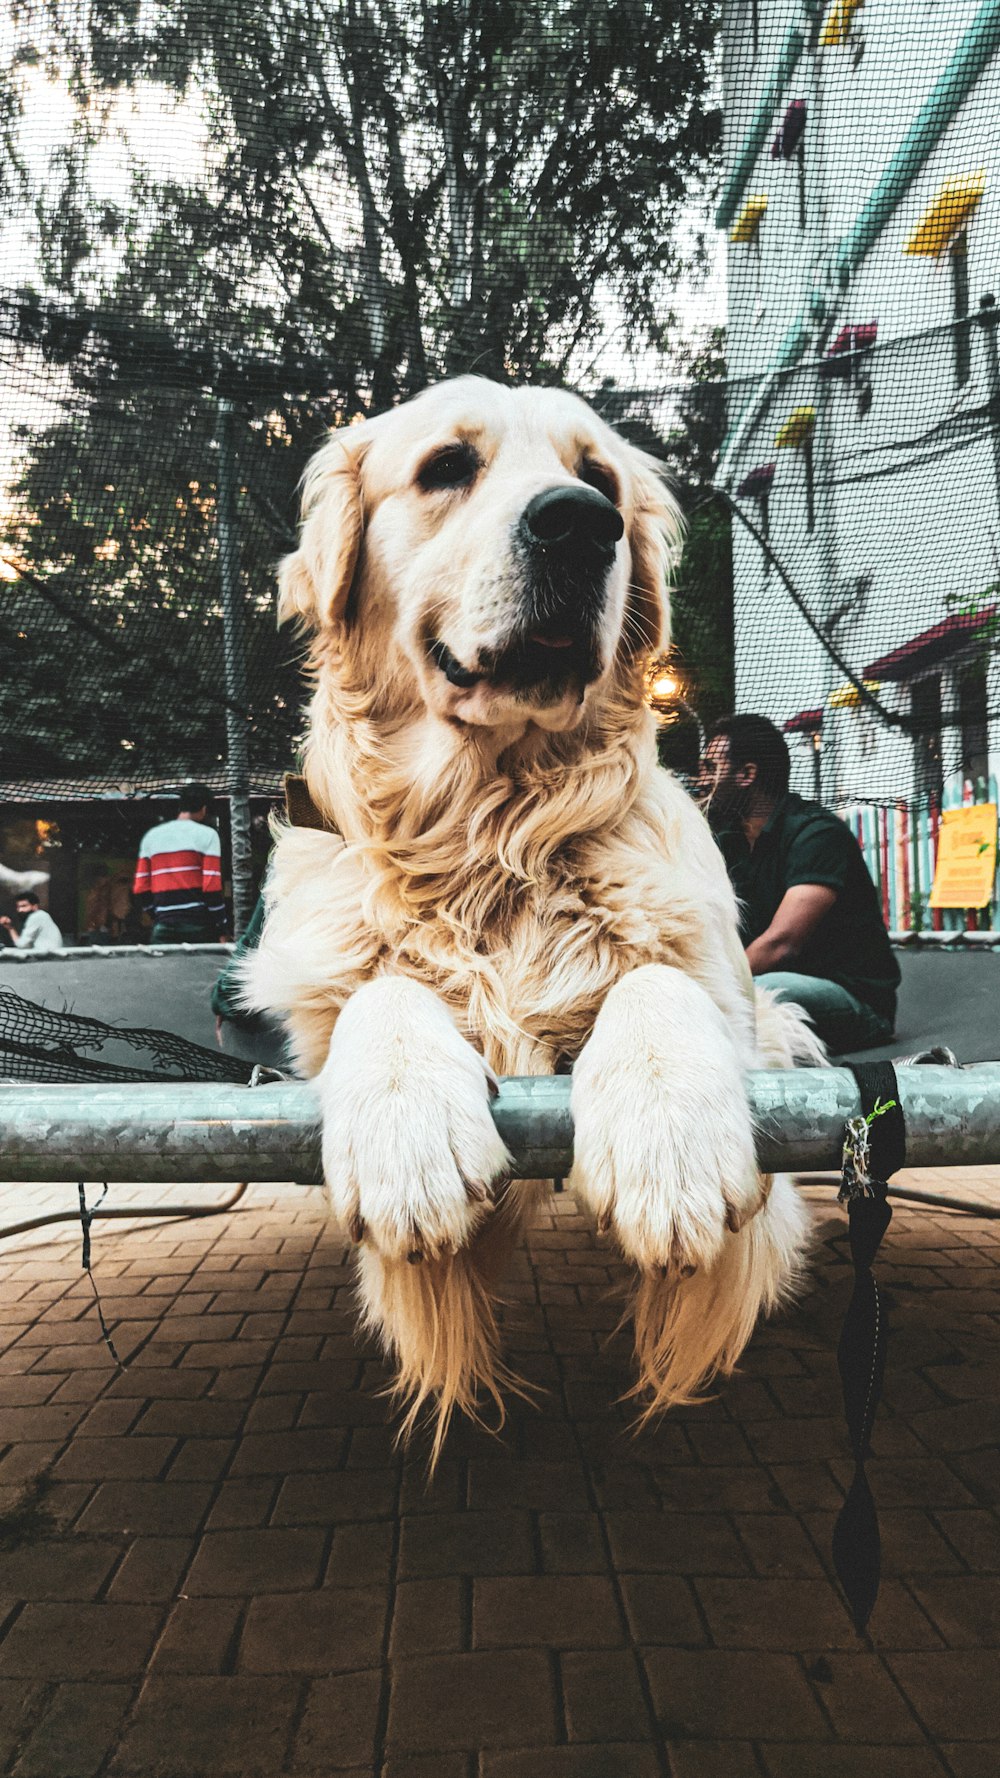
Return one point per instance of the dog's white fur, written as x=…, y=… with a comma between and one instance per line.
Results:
x=514, y=885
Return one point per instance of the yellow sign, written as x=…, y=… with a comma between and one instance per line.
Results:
x=966, y=857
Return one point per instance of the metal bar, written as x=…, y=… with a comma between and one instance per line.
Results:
x=760, y=124
x=936, y=1200
x=235, y=665
x=70, y=953
x=145, y=1212
x=208, y=1134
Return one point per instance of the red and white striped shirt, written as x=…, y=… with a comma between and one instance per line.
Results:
x=179, y=872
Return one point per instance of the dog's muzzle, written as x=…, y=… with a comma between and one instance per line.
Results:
x=565, y=540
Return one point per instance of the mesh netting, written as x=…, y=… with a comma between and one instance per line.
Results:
x=762, y=238
x=40, y=1045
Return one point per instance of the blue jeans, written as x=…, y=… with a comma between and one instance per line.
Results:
x=837, y=1016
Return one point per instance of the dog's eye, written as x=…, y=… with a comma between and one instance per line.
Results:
x=453, y=467
x=596, y=476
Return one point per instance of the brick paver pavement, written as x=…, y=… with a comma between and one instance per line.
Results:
x=228, y=1570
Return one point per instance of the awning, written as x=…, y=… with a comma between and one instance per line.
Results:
x=797, y=430
x=791, y=132
x=850, y=342
x=757, y=483
x=839, y=21
x=931, y=646
x=955, y=203
x=749, y=219
x=848, y=697
x=807, y=722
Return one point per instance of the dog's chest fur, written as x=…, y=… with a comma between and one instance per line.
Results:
x=524, y=964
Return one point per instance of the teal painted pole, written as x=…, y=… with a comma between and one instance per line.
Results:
x=890, y=822
x=978, y=46
x=928, y=858
x=980, y=43
x=760, y=125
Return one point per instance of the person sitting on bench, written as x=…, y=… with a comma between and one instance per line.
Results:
x=809, y=912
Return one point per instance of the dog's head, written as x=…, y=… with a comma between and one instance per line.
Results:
x=504, y=545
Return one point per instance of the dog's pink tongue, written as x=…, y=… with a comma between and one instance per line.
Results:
x=550, y=641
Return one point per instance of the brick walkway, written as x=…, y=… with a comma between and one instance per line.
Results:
x=229, y=1572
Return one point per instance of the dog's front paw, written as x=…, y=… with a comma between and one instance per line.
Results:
x=663, y=1142
x=410, y=1149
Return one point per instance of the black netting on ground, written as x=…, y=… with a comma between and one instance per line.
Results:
x=761, y=236
x=37, y=1044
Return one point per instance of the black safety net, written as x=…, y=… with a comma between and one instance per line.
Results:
x=762, y=237
x=40, y=1044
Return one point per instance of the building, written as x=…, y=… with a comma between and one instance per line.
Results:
x=862, y=205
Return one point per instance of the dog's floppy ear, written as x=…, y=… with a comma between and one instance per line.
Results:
x=655, y=538
x=315, y=580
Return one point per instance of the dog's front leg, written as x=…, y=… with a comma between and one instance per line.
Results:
x=663, y=1148
x=410, y=1149
x=664, y=1157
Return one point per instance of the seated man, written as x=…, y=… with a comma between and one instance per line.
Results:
x=810, y=917
x=39, y=931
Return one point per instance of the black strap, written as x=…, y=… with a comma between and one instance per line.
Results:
x=879, y=1088
x=874, y=1148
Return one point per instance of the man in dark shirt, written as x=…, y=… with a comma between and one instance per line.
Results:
x=809, y=913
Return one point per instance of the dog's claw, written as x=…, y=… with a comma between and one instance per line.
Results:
x=676, y=1272
x=356, y=1229
x=604, y=1222
x=737, y=1218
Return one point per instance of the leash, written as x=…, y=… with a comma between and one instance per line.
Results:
x=874, y=1148
x=86, y=1218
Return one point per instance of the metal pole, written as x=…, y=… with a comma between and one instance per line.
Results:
x=989, y=317
x=212, y=1134
x=235, y=664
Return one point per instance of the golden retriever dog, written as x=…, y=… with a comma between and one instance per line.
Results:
x=508, y=883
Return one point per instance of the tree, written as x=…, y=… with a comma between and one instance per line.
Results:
x=432, y=186
x=386, y=195
x=113, y=634
x=703, y=593
x=702, y=640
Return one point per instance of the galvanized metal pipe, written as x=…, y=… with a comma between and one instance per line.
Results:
x=211, y=1134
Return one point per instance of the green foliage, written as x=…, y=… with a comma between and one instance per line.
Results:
x=114, y=633
x=702, y=641
x=984, y=608
x=703, y=593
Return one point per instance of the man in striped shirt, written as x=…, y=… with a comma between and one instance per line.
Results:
x=178, y=876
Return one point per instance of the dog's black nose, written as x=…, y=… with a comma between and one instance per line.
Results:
x=572, y=518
